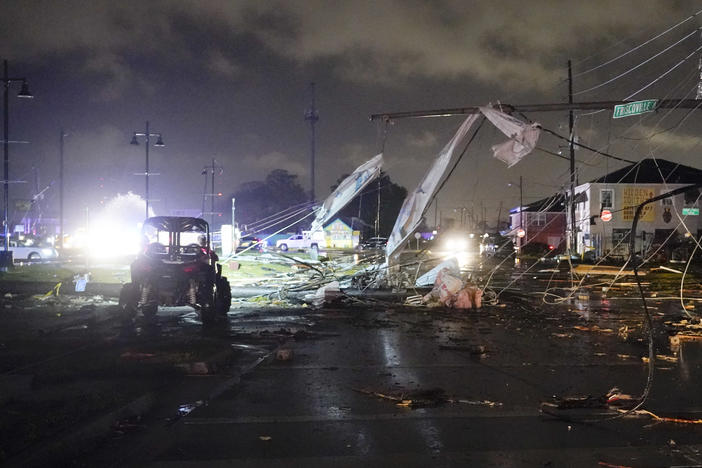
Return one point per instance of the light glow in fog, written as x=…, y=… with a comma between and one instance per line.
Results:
x=116, y=230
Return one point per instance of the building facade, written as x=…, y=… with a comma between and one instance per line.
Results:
x=661, y=223
x=543, y=221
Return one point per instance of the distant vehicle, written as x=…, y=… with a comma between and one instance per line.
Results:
x=31, y=252
x=375, y=243
x=306, y=240
x=246, y=242
x=458, y=241
x=176, y=268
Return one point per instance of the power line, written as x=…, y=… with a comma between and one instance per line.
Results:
x=575, y=143
x=638, y=46
x=604, y=83
x=666, y=73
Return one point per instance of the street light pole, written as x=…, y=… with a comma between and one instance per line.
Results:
x=521, y=204
x=24, y=93
x=147, y=139
x=62, y=136
x=6, y=153
x=146, y=170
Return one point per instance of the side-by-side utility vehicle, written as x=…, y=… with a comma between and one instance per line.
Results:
x=176, y=267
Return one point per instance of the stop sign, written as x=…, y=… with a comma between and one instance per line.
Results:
x=606, y=215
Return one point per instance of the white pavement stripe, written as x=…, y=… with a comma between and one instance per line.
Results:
x=476, y=412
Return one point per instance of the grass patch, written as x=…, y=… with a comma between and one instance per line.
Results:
x=65, y=273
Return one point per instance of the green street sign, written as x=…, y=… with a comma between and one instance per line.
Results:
x=634, y=108
x=691, y=211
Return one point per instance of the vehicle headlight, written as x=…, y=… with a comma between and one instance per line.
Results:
x=47, y=252
x=456, y=244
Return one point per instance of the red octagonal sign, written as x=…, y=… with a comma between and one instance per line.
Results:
x=606, y=215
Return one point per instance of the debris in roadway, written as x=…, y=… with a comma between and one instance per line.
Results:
x=424, y=398
x=327, y=293
x=284, y=354
x=429, y=278
x=451, y=291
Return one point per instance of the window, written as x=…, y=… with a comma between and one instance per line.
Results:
x=607, y=198
x=538, y=219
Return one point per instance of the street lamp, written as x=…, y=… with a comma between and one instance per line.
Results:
x=6, y=257
x=147, y=138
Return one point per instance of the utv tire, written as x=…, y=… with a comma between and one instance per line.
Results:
x=128, y=299
x=223, y=296
x=149, y=311
x=208, y=316
x=284, y=247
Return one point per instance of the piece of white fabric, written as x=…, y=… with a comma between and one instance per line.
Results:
x=410, y=215
x=347, y=190
x=522, y=136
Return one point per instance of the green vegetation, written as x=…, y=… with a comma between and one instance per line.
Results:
x=66, y=272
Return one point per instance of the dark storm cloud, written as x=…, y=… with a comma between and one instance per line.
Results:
x=369, y=41
x=227, y=79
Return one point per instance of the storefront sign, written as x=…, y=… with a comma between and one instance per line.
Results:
x=634, y=196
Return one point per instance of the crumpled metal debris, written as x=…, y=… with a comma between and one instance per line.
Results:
x=326, y=293
x=451, y=291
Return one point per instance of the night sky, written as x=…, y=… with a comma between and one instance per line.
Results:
x=229, y=80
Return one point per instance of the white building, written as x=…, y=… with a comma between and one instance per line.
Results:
x=620, y=192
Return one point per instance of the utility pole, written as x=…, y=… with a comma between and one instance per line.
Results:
x=499, y=215
x=211, y=169
x=377, y=212
x=521, y=204
x=571, y=205
x=312, y=116
x=62, y=135
x=213, y=192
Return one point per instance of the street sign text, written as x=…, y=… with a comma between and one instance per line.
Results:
x=634, y=108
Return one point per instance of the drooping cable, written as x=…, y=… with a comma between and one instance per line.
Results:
x=602, y=153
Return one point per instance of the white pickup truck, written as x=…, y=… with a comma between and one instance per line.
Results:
x=31, y=252
x=306, y=240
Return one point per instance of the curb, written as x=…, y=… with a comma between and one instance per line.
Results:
x=64, y=447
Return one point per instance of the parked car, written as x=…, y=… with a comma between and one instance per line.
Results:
x=375, y=243
x=250, y=242
x=31, y=252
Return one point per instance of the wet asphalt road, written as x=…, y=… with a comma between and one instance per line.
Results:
x=321, y=408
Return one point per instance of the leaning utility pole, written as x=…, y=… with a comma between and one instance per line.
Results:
x=312, y=116
x=570, y=106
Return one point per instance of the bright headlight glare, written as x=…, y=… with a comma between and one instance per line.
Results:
x=456, y=244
